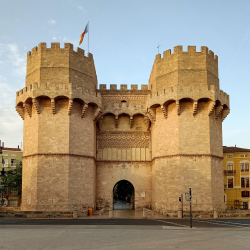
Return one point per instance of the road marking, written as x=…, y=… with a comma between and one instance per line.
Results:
x=228, y=222
x=167, y=222
x=221, y=224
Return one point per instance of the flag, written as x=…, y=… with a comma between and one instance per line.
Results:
x=84, y=32
x=3, y=162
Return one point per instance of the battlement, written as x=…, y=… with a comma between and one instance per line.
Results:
x=191, y=50
x=55, y=47
x=53, y=90
x=60, y=65
x=123, y=87
x=184, y=68
x=194, y=93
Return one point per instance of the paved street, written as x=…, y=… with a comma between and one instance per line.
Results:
x=127, y=231
x=122, y=205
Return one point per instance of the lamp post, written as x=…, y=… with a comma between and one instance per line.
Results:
x=3, y=173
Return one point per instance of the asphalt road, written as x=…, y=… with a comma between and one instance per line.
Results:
x=179, y=223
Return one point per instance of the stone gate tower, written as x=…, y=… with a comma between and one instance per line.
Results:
x=187, y=108
x=59, y=105
x=79, y=141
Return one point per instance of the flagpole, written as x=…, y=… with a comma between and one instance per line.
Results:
x=88, y=36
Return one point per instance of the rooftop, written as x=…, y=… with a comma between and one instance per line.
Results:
x=234, y=149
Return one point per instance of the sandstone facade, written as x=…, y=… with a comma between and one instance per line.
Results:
x=79, y=141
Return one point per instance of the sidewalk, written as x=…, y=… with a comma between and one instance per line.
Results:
x=126, y=214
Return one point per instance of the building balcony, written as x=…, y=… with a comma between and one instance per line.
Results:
x=229, y=172
x=244, y=170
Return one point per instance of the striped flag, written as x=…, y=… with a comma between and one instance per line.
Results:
x=84, y=32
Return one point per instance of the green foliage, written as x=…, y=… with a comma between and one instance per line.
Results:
x=13, y=179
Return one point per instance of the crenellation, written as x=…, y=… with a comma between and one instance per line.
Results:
x=191, y=49
x=55, y=45
x=178, y=49
x=34, y=50
x=204, y=50
x=113, y=86
x=211, y=53
x=158, y=57
x=167, y=53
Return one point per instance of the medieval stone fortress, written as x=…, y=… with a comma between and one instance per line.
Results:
x=80, y=141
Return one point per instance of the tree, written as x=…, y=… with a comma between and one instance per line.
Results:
x=13, y=179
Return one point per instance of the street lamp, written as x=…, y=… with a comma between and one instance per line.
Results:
x=3, y=174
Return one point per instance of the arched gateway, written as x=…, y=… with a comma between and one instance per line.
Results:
x=123, y=195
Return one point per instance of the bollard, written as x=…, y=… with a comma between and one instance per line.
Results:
x=215, y=214
x=144, y=212
x=110, y=213
x=74, y=214
x=90, y=211
x=180, y=213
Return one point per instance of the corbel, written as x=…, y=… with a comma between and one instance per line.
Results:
x=116, y=121
x=164, y=111
x=36, y=105
x=150, y=118
x=195, y=104
x=225, y=113
x=84, y=108
x=70, y=106
x=211, y=107
x=131, y=121
x=152, y=113
x=218, y=111
x=27, y=108
x=53, y=106
x=178, y=107
x=20, y=111
x=97, y=112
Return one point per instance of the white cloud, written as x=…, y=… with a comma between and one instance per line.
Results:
x=11, y=124
x=79, y=7
x=12, y=72
x=12, y=55
x=54, y=38
x=51, y=21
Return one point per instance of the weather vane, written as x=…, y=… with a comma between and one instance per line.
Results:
x=158, y=47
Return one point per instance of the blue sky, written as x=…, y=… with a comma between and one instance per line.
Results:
x=123, y=39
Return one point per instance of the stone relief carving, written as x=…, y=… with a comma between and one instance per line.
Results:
x=123, y=140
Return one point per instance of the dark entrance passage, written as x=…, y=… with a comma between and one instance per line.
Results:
x=123, y=194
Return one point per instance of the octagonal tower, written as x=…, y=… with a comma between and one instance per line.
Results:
x=59, y=105
x=186, y=108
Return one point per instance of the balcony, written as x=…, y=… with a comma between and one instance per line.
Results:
x=244, y=170
x=229, y=172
